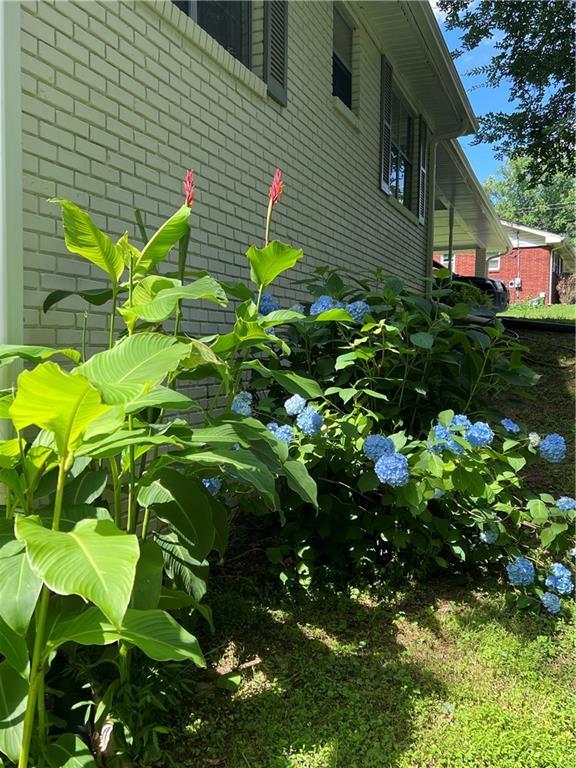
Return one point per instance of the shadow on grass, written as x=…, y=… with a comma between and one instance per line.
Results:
x=330, y=678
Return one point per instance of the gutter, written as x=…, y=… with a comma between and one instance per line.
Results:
x=11, y=226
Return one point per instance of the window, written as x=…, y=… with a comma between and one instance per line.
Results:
x=401, y=152
x=397, y=173
x=342, y=59
x=228, y=22
x=494, y=265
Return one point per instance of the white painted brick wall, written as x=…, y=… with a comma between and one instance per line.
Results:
x=120, y=98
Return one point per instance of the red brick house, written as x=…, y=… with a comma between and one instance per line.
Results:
x=530, y=268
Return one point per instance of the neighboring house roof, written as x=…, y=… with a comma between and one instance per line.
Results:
x=521, y=236
x=476, y=224
x=412, y=41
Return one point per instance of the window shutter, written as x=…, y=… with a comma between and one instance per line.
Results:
x=386, y=127
x=276, y=49
x=423, y=170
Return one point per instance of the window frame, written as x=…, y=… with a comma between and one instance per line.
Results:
x=337, y=61
x=495, y=260
x=190, y=9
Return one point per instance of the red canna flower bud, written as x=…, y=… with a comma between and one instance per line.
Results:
x=276, y=188
x=189, y=189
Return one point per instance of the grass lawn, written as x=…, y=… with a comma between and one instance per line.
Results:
x=552, y=355
x=442, y=677
x=564, y=312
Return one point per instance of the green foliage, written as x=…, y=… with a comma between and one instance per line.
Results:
x=534, y=55
x=517, y=197
x=103, y=531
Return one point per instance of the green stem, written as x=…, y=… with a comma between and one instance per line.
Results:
x=145, y=523
x=123, y=661
x=141, y=227
x=268, y=217
x=37, y=669
x=112, y=317
x=84, y=327
x=131, y=524
x=116, y=492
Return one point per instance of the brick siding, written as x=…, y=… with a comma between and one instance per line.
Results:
x=120, y=98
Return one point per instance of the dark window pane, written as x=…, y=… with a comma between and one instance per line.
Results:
x=184, y=5
x=341, y=81
x=227, y=22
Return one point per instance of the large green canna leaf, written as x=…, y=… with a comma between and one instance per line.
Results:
x=33, y=354
x=19, y=587
x=133, y=366
x=13, y=647
x=148, y=581
x=160, y=637
x=60, y=402
x=269, y=262
x=84, y=238
x=95, y=560
x=153, y=631
x=69, y=751
x=105, y=447
x=189, y=512
x=13, y=697
x=85, y=488
x=162, y=241
x=162, y=397
x=10, y=451
x=181, y=566
x=94, y=296
x=165, y=301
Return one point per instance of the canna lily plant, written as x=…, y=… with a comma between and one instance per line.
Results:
x=113, y=502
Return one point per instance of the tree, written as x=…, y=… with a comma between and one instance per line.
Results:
x=535, y=49
x=516, y=197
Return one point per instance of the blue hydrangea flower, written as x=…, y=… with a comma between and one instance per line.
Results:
x=553, y=448
x=442, y=440
x=358, y=310
x=438, y=493
x=298, y=308
x=285, y=433
x=572, y=552
x=521, y=572
x=459, y=420
x=566, y=503
x=489, y=536
x=323, y=304
x=268, y=304
x=534, y=439
x=376, y=446
x=242, y=404
x=272, y=426
x=560, y=579
x=295, y=405
x=392, y=469
x=479, y=434
x=212, y=484
x=510, y=426
x=551, y=602
x=236, y=447
x=310, y=421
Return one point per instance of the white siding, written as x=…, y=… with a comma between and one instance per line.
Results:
x=119, y=99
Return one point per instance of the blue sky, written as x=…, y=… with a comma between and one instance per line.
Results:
x=482, y=99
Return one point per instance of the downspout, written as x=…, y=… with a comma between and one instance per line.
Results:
x=451, y=239
x=552, y=250
x=11, y=241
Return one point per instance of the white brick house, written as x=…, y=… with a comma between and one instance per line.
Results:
x=107, y=103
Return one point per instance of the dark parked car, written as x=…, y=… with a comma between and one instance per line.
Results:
x=495, y=289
